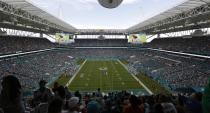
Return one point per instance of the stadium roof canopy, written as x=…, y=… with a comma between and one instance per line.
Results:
x=191, y=14
x=40, y=15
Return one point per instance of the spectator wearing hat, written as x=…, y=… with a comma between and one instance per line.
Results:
x=43, y=94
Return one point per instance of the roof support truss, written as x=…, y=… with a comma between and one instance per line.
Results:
x=27, y=15
x=193, y=14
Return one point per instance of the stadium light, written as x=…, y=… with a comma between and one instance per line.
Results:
x=110, y=4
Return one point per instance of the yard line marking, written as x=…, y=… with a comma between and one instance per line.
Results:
x=139, y=81
x=69, y=82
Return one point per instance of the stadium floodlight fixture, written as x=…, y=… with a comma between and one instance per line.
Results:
x=110, y=4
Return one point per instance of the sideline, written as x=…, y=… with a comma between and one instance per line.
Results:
x=139, y=81
x=72, y=78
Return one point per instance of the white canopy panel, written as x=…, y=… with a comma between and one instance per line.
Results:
x=26, y=5
x=186, y=6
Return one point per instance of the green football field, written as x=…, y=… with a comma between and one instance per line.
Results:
x=109, y=75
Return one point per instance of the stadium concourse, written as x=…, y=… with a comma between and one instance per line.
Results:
x=160, y=65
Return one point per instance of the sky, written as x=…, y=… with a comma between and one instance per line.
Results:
x=89, y=14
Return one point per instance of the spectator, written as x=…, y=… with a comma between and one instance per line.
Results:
x=158, y=108
x=180, y=106
x=74, y=105
x=93, y=107
x=108, y=107
x=60, y=92
x=134, y=106
x=55, y=106
x=167, y=105
x=99, y=94
x=77, y=94
x=43, y=94
x=206, y=99
x=68, y=93
x=55, y=86
x=11, y=95
x=192, y=103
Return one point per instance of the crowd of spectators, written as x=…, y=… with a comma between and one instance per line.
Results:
x=34, y=67
x=196, y=45
x=16, y=44
x=100, y=42
x=175, y=71
x=172, y=70
x=88, y=53
x=61, y=100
